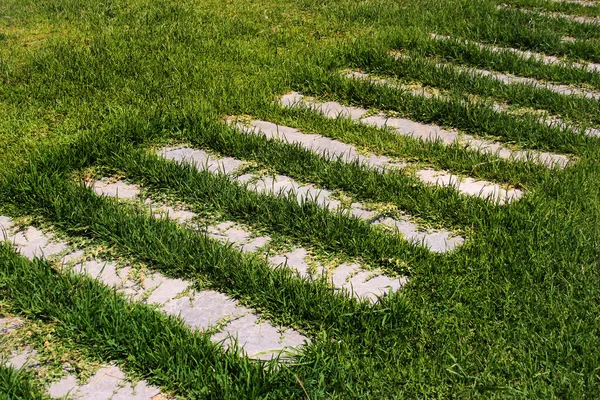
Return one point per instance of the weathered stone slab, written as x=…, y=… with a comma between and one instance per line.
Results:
x=201, y=159
x=118, y=189
x=205, y=310
x=259, y=340
x=163, y=289
x=295, y=260
x=438, y=242
x=23, y=358
x=470, y=186
x=426, y=132
x=66, y=386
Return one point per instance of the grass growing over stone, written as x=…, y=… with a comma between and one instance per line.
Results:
x=97, y=85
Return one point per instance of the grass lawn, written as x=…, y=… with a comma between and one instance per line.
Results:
x=91, y=89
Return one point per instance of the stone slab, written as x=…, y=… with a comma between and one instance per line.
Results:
x=259, y=340
x=118, y=189
x=202, y=160
x=205, y=310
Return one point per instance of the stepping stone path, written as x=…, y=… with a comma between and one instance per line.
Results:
x=357, y=281
x=199, y=310
x=406, y=127
x=109, y=382
x=333, y=148
x=438, y=241
x=501, y=108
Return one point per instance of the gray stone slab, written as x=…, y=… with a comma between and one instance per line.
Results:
x=205, y=310
x=23, y=358
x=295, y=260
x=201, y=159
x=369, y=285
x=105, y=272
x=342, y=274
x=470, y=186
x=357, y=210
x=431, y=133
x=102, y=385
x=259, y=340
x=32, y=243
x=319, y=144
x=437, y=241
x=66, y=386
x=118, y=189
x=254, y=244
x=163, y=289
x=178, y=215
x=141, y=391
x=9, y=324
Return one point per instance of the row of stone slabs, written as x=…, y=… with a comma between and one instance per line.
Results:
x=424, y=132
x=199, y=310
x=498, y=107
x=108, y=382
x=544, y=58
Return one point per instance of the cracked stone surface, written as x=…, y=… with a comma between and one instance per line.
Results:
x=23, y=358
x=426, y=132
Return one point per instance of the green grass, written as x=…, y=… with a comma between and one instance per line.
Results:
x=512, y=313
x=17, y=385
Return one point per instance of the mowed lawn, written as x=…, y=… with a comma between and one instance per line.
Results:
x=473, y=126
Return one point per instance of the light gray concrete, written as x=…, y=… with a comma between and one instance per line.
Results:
x=201, y=159
x=118, y=189
x=438, y=242
x=259, y=340
x=32, y=242
x=109, y=383
x=66, y=386
x=23, y=358
x=162, y=289
x=426, y=132
x=205, y=310
x=469, y=186
x=364, y=284
x=295, y=260
x=285, y=186
x=484, y=145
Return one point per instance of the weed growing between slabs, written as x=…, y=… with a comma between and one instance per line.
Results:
x=17, y=385
x=511, y=313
